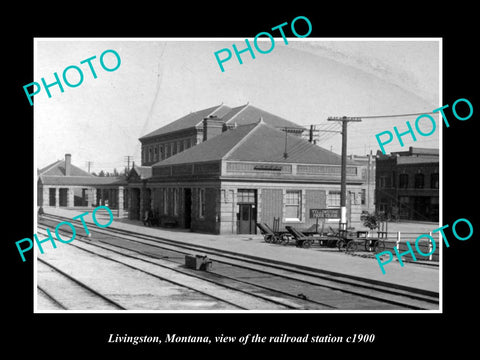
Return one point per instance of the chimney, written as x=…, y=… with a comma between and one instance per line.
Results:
x=212, y=126
x=68, y=164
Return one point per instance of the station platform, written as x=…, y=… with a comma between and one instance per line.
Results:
x=412, y=275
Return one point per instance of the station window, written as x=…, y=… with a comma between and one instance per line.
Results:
x=175, y=202
x=246, y=196
x=165, y=201
x=333, y=198
x=201, y=203
x=167, y=151
x=293, y=205
x=162, y=153
x=149, y=154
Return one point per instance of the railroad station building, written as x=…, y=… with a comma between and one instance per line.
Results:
x=407, y=184
x=62, y=184
x=238, y=166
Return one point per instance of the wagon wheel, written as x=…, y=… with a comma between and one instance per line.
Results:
x=379, y=246
x=267, y=238
x=341, y=244
x=307, y=243
x=351, y=247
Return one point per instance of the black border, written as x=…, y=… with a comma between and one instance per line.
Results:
x=76, y=334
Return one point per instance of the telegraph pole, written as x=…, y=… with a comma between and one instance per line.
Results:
x=89, y=163
x=127, y=159
x=343, y=179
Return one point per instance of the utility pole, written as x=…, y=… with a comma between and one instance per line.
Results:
x=127, y=158
x=89, y=163
x=343, y=178
x=313, y=135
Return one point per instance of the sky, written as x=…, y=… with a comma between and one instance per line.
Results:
x=160, y=80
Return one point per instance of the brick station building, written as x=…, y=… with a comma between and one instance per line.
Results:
x=407, y=184
x=249, y=166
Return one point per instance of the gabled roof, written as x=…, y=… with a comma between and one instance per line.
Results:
x=189, y=121
x=249, y=114
x=143, y=172
x=58, y=169
x=240, y=115
x=267, y=144
x=54, y=174
x=258, y=142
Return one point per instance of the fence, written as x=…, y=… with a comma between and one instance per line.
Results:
x=424, y=245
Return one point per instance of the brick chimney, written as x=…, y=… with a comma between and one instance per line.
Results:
x=68, y=164
x=212, y=126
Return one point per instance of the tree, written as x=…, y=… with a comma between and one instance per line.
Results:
x=101, y=173
x=372, y=220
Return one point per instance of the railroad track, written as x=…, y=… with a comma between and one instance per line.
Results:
x=75, y=287
x=121, y=255
x=287, y=286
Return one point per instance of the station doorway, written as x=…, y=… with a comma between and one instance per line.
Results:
x=62, y=194
x=134, y=212
x=187, y=207
x=247, y=211
x=51, y=196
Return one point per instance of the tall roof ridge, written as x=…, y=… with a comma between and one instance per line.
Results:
x=218, y=107
x=242, y=140
x=234, y=116
x=270, y=113
x=211, y=113
x=186, y=121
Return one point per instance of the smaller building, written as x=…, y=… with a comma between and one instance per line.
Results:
x=62, y=184
x=367, y=167
x=407, y=184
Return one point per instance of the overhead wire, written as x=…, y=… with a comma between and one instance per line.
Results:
x=390, y=115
